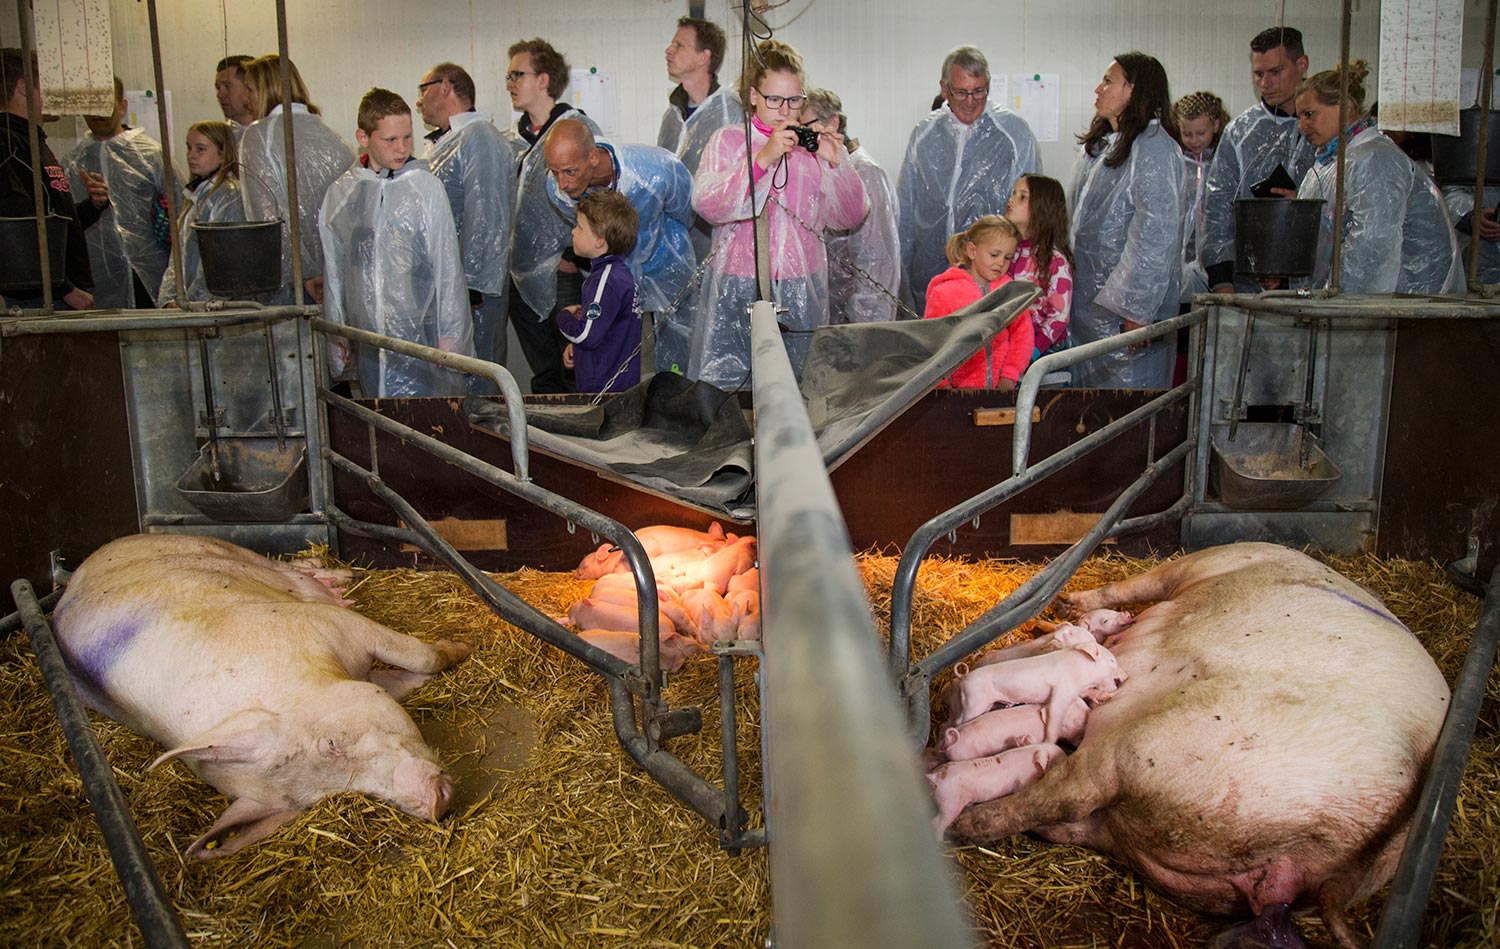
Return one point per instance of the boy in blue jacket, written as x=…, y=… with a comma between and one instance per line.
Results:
x=604, y=331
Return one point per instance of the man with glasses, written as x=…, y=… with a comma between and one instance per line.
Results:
x=962, y=161
x=542, y=279
x=476, y=165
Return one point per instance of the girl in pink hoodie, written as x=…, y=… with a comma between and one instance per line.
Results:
x=981, y=257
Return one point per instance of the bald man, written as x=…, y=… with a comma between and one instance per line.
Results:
x=660, y=189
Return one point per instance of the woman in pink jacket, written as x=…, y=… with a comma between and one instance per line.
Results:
x=981, y=259
x=803, y=192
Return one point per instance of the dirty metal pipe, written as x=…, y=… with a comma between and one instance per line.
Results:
x=734, y=818
x=1486, y=87
x=842, y=787
x=1401, y=921
x=90, y=321
x=33, y=125
x=1352, y=306
x=13, y=622
x=294, y=213
x=515, y=409
x=153, y=912
x=1345, y=119
x=166, y=156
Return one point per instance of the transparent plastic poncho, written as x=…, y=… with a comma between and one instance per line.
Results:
x=1253, y=144
x=209, y=205
x=128, y=236
x=393, y=268
x=952, y=174
x=321, y=157
x=1195, y=176
x=477, y=167
x=1397, y=236
x=873, y=247
x=1127, y=251
x=806, y=197
x=539, y=233
x=688, y=139
x=662, y=261
x=1460, y=202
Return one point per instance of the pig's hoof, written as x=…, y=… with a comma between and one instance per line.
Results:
x=1272, y=929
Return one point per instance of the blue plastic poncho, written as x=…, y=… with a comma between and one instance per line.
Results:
x=662, y=262
x=874, y=247
x=1253, y=144
x=393, y=268
x=1195, y=176
x=806, y=196
x=1460, y=202
x=687, y=139
x=477, y=167
x=1397, y=236
x=125, y=238
x=538, y=232
x=321, y=157
x=210, y=205
x=952, y=174
x=1127, y=250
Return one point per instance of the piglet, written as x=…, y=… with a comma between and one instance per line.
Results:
x=710, y=613
x=749, y=580
x=1062, y=636
x=1005, y=728
x=675, y=649
x=715, y=571
x=1055, y=679
x=744, y=606
x=656, y=540
x=958, y=784
x=266, y=690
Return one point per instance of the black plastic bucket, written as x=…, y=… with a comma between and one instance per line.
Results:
x=240, y=257
x=21, y=262
x=1455, y=158
x=1276, y=237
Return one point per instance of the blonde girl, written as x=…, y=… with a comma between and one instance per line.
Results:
x=980, y=260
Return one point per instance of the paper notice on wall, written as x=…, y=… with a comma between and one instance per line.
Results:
x=1037, y=99
x=593, y=91
x=76, y=56
x=1420, y=44
x=141, y=113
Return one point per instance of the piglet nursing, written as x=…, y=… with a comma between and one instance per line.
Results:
x=252, y=673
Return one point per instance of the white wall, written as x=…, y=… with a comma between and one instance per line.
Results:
x=881, y=56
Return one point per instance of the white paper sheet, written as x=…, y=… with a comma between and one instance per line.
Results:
x=1038, y=100
x=1420, y=44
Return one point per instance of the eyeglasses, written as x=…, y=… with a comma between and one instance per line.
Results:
x=422, y=86
x=777, y=102
x=962, y=94
x=515, y=75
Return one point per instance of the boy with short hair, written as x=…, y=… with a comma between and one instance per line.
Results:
x=391, y=258
x=604, y=331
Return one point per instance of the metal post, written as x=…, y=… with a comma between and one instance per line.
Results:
x=1486, y=88
x=294, y=218
x=1344, y=121
x=32, y=79
x=854, y=861
x=166, y=156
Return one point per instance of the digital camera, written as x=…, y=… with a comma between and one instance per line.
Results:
x=806, y=137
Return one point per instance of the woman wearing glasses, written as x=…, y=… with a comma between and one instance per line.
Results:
x=803, y=193
x=1128, y=196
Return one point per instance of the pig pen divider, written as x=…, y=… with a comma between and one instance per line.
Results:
x=914, y=679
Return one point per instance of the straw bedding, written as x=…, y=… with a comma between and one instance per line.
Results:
x=556, y=839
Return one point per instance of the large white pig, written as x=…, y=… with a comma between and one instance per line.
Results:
x=258, y=681
x=1267, y=749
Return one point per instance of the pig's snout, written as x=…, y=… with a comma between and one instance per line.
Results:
x=440, y=796
x=422, y=789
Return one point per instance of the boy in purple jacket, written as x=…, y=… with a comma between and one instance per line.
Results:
x=604, y=331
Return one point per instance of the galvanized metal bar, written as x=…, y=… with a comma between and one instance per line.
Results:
x=294, y=212
x=912, y=554
x=1032, y=597
x=734, y=817
x=32, y=80
x=1353, y=305
x=153, y=912
x=515, y=408
x=166, y=156
x=1031, y=381
x=842, y=786
x=13, y=621
x=92, y=322
x=1345, y=120
x=666, y=769
x=1401, y=920
x=1486, y=87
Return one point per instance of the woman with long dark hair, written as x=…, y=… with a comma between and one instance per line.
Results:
x=1127, y=197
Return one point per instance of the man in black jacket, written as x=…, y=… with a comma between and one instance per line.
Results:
x=18, y=198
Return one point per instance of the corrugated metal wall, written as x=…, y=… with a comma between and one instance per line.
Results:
x=881, y=56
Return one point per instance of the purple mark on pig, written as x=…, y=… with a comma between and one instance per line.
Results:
x=92, y=662
x=1359, y=603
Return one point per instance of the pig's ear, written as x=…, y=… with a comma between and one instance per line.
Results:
x=241, y=737
x=242, y=824
x=716, y=530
